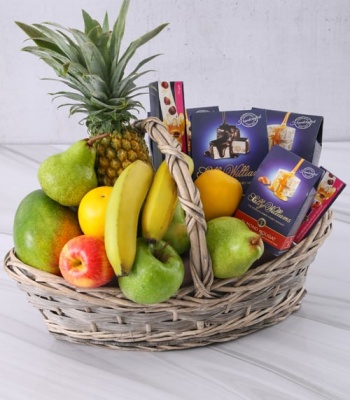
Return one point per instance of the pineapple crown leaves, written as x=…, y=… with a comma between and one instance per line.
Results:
x=91, y=64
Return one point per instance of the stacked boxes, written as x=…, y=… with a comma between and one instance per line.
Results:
x=274, y=154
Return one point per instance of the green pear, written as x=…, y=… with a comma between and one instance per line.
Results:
x=232, y=246
x=66, y=177
x=176, y=234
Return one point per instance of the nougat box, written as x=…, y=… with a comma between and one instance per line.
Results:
x=233, y=141
x=328, y=190
x=299, y=133
x=168, y=104
x=279, y=197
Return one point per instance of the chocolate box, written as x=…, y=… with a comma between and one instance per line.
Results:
x=328, y=190
x=167, y=103
x=233, y=141
x=279, y=197
x=299, y=133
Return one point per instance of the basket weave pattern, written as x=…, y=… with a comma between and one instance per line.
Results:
x=205, y=312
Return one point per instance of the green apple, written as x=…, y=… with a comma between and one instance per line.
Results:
x=232, y=246
x=176, y=234
x=156, y=275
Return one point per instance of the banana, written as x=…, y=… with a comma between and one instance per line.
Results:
x=160, y=202
x=122, y=215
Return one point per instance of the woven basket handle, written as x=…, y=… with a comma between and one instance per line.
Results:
x=200, y=263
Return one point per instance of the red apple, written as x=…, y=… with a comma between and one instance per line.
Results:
x=84, y=263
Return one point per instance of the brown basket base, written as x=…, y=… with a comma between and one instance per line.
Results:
x=264, y=296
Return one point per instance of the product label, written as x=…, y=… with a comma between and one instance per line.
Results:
x=269, y=235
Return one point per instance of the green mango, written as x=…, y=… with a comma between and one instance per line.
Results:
x=40, y=230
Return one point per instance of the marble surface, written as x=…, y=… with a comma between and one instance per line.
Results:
x=307, y=356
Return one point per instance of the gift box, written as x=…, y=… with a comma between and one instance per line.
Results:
x=168, y=104
x=327, y=191
x=279, y=197
x=233, y=141
x=299, y=133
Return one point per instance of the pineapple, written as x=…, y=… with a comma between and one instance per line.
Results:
x=90, y=63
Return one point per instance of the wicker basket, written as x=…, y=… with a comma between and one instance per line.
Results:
x=204, y=312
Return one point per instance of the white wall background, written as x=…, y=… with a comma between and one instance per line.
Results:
x=291, y=55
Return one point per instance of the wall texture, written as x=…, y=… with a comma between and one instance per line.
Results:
x=292, y=55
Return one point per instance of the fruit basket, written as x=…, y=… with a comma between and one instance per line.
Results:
x=204, y=312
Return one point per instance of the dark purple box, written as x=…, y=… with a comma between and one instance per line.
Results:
x=299, y=133
x=233, y=141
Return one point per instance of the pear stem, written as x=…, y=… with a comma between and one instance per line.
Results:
x=90, y=141
x=256, y=240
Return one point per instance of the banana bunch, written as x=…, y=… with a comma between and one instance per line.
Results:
x=122, y=215
x=138, y=194
x=161, y=202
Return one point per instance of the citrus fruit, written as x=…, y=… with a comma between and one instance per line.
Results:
x=92, y=211
x=220, y=193
x=40, y=230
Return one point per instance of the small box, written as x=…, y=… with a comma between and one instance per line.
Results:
x=168, y=104
x=328, y=190
x=279, y=197
x=233, y=141
x=299, y=133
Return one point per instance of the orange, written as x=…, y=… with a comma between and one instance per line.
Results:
x=92, y=211
x=220, y=193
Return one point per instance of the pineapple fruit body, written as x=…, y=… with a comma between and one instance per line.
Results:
x=116, y=151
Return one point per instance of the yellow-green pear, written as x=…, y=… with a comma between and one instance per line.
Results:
x=67, y=176
x=176, y=234
x=232, y=246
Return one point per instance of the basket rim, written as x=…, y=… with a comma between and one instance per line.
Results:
x=257, y=275
x=102, y=317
